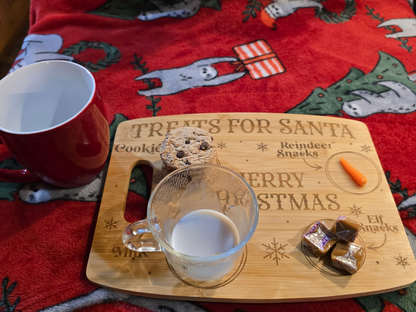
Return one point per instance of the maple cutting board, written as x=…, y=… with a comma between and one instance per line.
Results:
x=292, y=164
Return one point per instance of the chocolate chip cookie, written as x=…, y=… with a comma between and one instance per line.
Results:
x=186, y=146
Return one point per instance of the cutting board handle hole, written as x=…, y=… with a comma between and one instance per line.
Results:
x=138, y=193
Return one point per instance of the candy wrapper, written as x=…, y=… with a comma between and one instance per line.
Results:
x=319, y=239
x=346, y=229
x=348, y=256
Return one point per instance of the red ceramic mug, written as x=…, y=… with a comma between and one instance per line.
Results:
x=54, y=123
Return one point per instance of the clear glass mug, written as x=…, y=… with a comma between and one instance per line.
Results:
x=192, y=188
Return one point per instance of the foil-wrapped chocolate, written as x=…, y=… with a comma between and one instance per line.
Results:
x=319, y=239
x=346, y=229
x=348, y=256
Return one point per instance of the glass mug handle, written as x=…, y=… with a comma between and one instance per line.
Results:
x=132, y=238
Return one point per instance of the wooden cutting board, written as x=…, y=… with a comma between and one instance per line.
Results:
x=292, y=163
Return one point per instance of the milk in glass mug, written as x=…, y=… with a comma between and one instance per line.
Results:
x=201, y=216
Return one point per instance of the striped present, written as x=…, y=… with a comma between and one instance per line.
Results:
x=259, y=59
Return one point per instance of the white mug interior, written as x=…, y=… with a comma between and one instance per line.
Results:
x=44, y=95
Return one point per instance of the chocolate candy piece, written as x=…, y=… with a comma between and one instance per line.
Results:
x=319, y=239
x=346, y=229
x=348, y=256
x=180, y=154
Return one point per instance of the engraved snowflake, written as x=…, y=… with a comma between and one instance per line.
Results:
x=355, y=210
x=262, y=146
x=402, y=261
x=110, y=224
x=274, y=252
x=365, y=148
x=222, y=145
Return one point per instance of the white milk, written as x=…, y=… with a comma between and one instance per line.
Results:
x=204, y=233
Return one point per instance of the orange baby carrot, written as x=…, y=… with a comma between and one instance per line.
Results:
x=355, y=174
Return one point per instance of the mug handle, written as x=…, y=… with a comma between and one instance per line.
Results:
x=16, y=176
x=132, y=237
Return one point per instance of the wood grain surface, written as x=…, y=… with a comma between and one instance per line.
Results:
x=292, y=163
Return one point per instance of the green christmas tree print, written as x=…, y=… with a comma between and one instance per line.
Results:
x=130, y=9
x=330, y=101
x=5, y=304
x=404, y=299
x=153, y=100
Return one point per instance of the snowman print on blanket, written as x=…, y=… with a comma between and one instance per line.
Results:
x=183, y=9
x=150, y=10
x=407, y=26
x=198, y=74
x=282, y=8
x=41, y=192
x=37, y=48
x=399, y=100
x=255, y=58
x=388, y=88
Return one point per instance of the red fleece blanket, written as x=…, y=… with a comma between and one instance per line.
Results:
x=348, y=58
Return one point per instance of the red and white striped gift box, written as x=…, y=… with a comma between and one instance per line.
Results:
x=259, y=59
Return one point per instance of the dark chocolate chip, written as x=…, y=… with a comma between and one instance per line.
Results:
x=187, y=162
x=180, y=154
x=204, y=146
x=187, y=142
